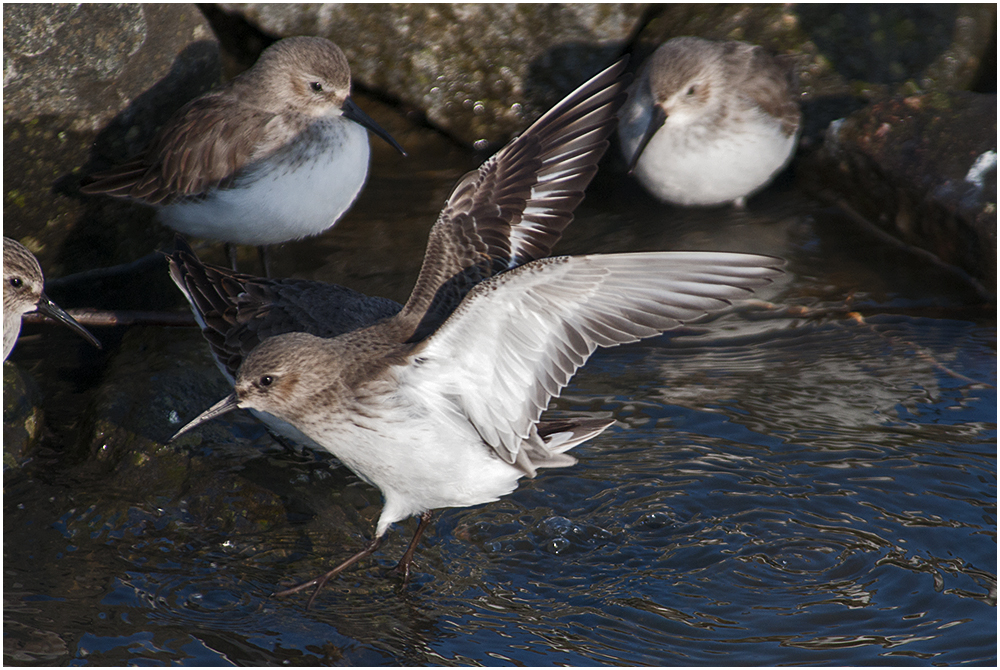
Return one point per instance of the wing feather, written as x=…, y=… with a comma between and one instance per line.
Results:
x=236, y=312
x=195, y=151
x=518, y=338
x=515, y=207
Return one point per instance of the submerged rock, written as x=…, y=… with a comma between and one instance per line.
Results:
x=22, y=416
x=221, y=476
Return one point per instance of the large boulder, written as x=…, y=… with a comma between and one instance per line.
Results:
x=88, y=85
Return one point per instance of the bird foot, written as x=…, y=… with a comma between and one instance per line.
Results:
x=403, y=570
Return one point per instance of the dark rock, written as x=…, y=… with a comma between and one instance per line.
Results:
x=847, y=48
x=22, y=416
x=160, y=379
x=921, y=168
x=479, y=72
x=80, y=75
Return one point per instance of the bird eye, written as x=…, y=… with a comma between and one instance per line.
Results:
x=266, y=380
x=16, y=282
x=316, y=86
x=692, y=90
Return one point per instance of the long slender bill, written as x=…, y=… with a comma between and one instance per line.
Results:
x=656, y=120
x=354, y=113
x=54, y=311
x=227, y=404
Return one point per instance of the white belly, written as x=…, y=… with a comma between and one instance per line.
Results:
x=418, y=462
x=283, y=199
x=11, y=329
x=682, y=166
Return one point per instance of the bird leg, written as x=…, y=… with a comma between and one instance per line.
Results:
x=264, y=253
x=403, y=567
x=320, y=582
x=231, y=252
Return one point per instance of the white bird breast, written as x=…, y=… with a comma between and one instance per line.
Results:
x=693, y=164
x=286, y=198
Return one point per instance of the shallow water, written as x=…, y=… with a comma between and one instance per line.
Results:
x=808, y=488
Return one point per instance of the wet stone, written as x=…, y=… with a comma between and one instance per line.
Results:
x=160, y=379
x=923, y=169
x=86, y=86
x=23, y=417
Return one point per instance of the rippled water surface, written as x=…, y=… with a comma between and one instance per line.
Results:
x=811, y=486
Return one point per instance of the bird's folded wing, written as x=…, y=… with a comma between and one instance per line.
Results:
x=200, y=148
x=518, y=338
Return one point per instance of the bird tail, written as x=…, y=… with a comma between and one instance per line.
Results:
x=557, y=437
x=561, y=436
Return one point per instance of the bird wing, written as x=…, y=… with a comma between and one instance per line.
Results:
x=515, y=207
x=200, y=148
x=518, y=338
x=770, y=83
x=237, y=311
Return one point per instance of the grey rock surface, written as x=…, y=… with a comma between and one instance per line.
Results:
x=23, y=418
x=86, y=83
x=480, y=72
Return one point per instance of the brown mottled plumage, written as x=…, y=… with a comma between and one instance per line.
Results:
x=278, y=153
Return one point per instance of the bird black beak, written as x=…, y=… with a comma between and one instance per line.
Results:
x=655, y=122
x=227, y=404
x=54, y=311
x=354, y=113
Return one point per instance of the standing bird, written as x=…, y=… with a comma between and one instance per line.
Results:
x=278, y=154
x=440, y=405
x=23, y=292
x=708, y=123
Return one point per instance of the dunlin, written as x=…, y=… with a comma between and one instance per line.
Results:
x=23, y=292
x=709, y=123
x=515, y=207
x=440, y=405
x=236, y=312
x=278, y=154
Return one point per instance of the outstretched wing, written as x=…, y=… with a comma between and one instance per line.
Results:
x=515, y=207
x=237, y=311
x=518, y=338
